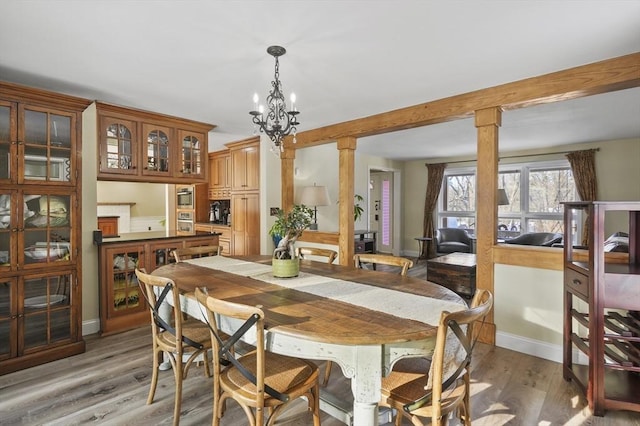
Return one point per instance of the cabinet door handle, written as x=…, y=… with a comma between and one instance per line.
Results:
x=577, y=281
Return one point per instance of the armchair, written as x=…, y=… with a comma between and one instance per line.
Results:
x=450, y=240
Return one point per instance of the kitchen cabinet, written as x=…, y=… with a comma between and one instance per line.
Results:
x=245, y=165
x=192, y=155
x=224, y=235
x=136, y=145
x=245, y=226
x=157, y=152
x=108, y=225
x=220, y=175
x=602, y=308
x=40, y=285
x=122, y=305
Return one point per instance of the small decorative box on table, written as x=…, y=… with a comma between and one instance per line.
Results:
x=456, y=271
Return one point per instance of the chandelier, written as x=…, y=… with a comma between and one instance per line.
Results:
x=278, y=122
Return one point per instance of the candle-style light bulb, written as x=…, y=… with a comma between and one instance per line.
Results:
x=255, y=101
x=260, y=109
x=293, y=101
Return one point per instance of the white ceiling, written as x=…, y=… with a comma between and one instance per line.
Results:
x=203, y=60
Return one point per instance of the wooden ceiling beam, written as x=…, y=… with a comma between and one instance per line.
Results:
x=600, y=77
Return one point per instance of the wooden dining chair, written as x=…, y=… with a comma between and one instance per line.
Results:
x=331, y=255
x=416, y=387
x=258, y=380
x=189, y=337
x=185, y=253
x=383, y=259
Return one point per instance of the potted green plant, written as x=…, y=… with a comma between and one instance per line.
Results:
x=289, y=226
x=357, y=208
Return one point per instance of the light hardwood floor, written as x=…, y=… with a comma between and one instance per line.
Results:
x=108, y=384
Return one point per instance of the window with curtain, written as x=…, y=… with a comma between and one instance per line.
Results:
x=535, y=192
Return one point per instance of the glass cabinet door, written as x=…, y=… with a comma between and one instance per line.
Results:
x=8, y=230
x=8, y=315
x=8, y=138
x=162, y=254
x=47, y=232
x=117, y=146
x=191, y=145
x=157, y=150
x=123, y=295
x=47, y=145
x=47, y=310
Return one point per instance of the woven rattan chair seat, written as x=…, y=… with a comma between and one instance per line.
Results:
x=407, y=383
x=281, y=373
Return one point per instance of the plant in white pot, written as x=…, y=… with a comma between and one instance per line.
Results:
x=289, y=226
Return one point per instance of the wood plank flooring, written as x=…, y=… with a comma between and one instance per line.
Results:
x=109, y=383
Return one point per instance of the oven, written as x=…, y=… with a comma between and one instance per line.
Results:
x=184, y=197
x=185, y=224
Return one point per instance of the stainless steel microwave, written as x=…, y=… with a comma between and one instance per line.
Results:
x=184, y=197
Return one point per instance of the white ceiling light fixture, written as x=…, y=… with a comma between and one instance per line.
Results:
x=278, y=122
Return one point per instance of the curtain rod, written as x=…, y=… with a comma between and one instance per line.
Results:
x=521, y=156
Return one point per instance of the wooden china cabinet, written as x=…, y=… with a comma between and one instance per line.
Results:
x=136, y=145
x=40, y=260
x=602, y=307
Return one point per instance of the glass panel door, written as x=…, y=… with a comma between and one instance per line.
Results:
x=7, y=141
x=48, y=146
x=47, y=229
x=47, y=310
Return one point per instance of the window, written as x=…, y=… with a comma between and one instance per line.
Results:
x=535, y=192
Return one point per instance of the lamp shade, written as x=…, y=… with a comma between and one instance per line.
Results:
x=503, y=200
x=315, y=196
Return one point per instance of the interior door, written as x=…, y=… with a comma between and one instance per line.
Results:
x=381, y=208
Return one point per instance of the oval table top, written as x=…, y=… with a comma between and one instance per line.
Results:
x=308, y=316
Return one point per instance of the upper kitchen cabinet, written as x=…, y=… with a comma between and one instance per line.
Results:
x=219, y=175
x=192, y=156
x=37, y=144
x=157, y=153
x=245, y=164
x=117, y=153
x=143, y=146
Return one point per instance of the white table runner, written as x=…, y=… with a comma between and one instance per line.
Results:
x=393, y=302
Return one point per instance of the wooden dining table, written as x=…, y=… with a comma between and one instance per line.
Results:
x=358, y=318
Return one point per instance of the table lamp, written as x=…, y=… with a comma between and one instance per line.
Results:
x=503, y=200
x=315, y=196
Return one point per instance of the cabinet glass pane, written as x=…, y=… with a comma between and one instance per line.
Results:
x=158, y=151
x=5, y=229
x=47, y=234
x=125, y=283
x=118, y=144
x=191, y=155
x=50, y=165
x=60, y=130
x=46, y=308
x=5, y=124
x=5, y=320
x=164, y=256
x=35, y=127
x=5, y=141
x=5, y=165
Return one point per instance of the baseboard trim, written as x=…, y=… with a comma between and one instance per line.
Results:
x=529, y=346
x=90, y=326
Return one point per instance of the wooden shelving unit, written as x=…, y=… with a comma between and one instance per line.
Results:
x=601, y=309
